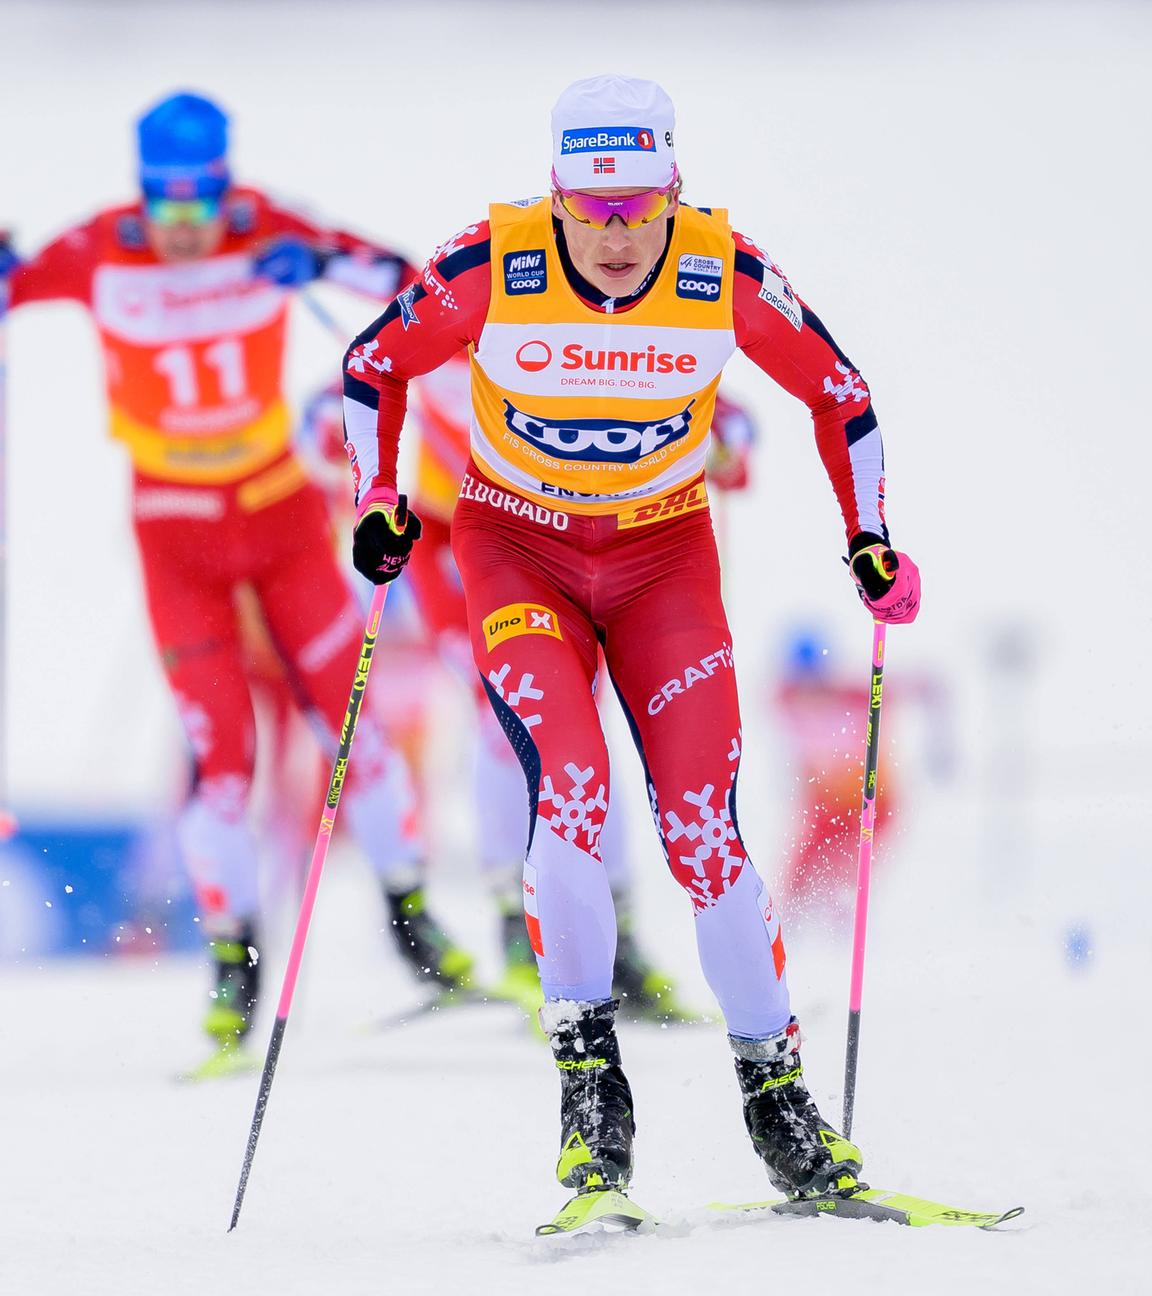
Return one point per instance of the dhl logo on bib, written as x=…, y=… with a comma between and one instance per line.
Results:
x=520, y=619
x=688, y=499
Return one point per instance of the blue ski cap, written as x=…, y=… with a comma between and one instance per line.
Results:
x=183, y=142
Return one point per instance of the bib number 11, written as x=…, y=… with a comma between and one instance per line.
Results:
x=226, y=360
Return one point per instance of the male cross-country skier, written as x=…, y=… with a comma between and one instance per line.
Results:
x=189, y=289
x=598, y=321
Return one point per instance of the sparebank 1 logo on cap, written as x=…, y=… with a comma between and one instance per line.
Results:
x=699, y=278
x=618, y=139
x=525, y=272
x=598, y=440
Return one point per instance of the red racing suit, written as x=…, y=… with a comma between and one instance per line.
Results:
x=582, y=527
x=442, y=414
x=193, y=358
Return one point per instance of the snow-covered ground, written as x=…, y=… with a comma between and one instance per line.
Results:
x=961, y=191
x=419, y=1160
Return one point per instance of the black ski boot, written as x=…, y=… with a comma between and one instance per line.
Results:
x=596, y=1125
x=236, y=986
x=423, y=944
x=804, y=1155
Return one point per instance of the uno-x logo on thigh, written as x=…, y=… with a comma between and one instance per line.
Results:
x=520, y=619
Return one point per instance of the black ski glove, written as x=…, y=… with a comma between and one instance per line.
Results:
x=383, y=539
x=872, y=564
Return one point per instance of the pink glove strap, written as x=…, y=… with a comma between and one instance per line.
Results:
x=377, y=497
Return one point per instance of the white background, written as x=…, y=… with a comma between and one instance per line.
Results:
x=961, y=192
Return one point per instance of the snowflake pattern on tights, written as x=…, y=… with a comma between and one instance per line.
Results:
x=526, y=690
x=716, y=857
x=578, y=816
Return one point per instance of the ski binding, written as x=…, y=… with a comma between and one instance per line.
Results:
x=603, y=1209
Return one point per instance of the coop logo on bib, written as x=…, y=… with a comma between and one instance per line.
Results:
x=520, y=619
x=699, y=278
x=525, y=272
x=597, y=440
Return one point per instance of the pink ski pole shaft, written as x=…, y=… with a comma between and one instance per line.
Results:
x=864, y=872
x=311, y=886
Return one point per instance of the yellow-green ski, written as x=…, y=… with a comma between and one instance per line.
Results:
x=873, y=1204
x=230, y=1060
x=603, y=1208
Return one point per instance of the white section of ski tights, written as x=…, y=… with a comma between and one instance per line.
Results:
x=219, y=850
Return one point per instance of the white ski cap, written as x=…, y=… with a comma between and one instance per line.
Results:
x=613, y=132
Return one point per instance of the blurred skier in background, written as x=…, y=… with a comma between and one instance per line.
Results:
x=821, y=717
x=821, y=714
x=189, y=287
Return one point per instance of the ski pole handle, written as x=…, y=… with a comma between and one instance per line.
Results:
x=311, y=886
x=864, y=871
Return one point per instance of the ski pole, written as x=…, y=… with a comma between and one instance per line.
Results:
x=864, y=872
x=311, y=886
x=323, y=316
